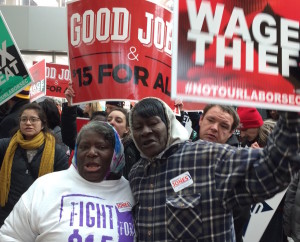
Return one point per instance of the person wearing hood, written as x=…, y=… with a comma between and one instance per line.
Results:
x=90, y=201
x=186, y=191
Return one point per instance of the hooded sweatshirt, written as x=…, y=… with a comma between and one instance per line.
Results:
x=188, y=191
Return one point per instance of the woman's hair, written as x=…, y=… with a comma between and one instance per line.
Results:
x=264, y=132
x=51, y=111
x=150, y=107
x=40, y=112
x=99, y=116
x=99, y=127
x=94, y=107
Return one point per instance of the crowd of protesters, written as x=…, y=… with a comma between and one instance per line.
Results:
x=232, y=159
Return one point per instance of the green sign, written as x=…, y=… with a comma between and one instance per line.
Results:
x=14, y=76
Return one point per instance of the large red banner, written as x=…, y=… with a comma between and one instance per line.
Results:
x=120, y=50
x=237, y=52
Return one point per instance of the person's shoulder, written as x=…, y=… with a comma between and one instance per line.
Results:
x=55, y=177
x=16, y=108
x=233, y=140
x=131, y=149
x=137, y=168
x=57, y=130
x=4, y=141
x=124, y=181
x=125, y=188
x=205, y=146
x=10, y=119
x=50, y=183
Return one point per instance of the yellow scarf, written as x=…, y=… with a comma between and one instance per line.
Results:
x=46, y=164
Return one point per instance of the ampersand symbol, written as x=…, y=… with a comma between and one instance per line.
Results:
x=131, y=55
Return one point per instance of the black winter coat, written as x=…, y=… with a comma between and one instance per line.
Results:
x=132, y=155
x=68, y=124
x=23, y=174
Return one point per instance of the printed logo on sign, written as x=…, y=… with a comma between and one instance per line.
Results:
x=182, y=181
x=8, y=64
x=124, y=206
x=91, y=218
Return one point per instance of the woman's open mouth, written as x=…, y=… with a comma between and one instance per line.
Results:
x=92, y=167
x=147, y=143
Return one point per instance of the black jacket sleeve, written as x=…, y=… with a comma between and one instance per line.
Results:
x=195, y=117
x=68, y=125
x=60, y=158
x=132, y=156
x=3, y=147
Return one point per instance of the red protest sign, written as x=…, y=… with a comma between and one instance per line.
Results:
x=58, y=77
x=240, y=53
x=117, y=51
x=80, y=122
x=193, y=106
x=38, y=86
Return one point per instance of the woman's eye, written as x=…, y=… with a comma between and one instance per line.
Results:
x=83, y=147
x=153, y=123
x=136, y=127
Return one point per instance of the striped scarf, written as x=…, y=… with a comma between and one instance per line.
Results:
x=46, y=164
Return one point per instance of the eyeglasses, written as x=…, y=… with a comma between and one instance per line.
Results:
x=32, y=120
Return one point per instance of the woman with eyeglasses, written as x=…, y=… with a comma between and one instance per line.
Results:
x=29, y=154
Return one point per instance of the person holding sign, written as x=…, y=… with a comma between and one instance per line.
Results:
x=29, y=154
x=70, y=113
x=90, y=201
x=217, y=124
x=187, y=190
x=274, y=229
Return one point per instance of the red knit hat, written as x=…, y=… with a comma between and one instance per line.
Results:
x=249, y=118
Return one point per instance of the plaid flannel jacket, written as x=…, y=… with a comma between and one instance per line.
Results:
x=223, y=177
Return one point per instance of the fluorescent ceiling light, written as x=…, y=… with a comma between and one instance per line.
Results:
x=48, y=3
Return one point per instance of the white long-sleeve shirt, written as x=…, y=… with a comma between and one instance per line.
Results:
x=62, y=206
